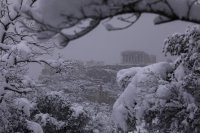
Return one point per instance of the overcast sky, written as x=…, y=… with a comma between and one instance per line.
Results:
x=103, y=45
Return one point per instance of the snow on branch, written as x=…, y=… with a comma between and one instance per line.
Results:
x=71, y=13
x=60, y=34
x=126, y=21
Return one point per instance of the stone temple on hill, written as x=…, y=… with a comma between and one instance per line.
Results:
x=137, y=58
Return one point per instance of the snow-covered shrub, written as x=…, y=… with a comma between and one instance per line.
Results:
x=177, y=114
x=163, y=97
x=71, y=70
x=104, y=75
x=57, y=114
x=124, y=76
x=100, y=118
x=15, y=117
x=181, y=112
x=12, y=120
x=18, y=49
x=140, y=94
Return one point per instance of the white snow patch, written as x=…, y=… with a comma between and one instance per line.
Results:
x=34, y=127
x=179, y=73
x=46, y=118
x=163, y=92
x=78, y=109
x=23, y=46
x=24, y=104
x=125, y=75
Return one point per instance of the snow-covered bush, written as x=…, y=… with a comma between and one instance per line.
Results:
x=100, y=118
x=12, y=120
x=57, y=114
x=18, y=49
x=124, y=76
x=101, y=74
x=71, y=70
x=146, y=84
x=181, y=112
x=15, y=117
x=163, y=97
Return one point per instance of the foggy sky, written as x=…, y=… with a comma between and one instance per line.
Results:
x=103, y=45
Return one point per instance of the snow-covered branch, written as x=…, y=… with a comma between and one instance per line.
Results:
x=71, y=13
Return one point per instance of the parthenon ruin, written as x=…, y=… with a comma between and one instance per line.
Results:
x=137, y=58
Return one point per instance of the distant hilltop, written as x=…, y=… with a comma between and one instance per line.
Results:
x=137, y=58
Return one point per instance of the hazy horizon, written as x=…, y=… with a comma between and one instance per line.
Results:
x=102, y=45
